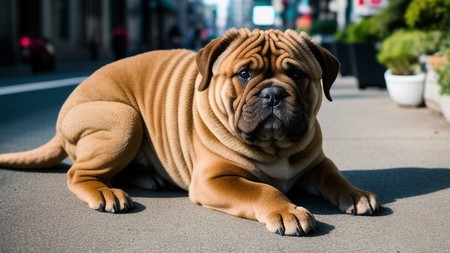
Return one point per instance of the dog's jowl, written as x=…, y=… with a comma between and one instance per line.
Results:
x=234, y=124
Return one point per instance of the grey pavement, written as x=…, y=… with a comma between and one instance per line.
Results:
x=21, y=73
x=401, y=154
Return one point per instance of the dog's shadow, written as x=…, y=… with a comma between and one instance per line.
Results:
x=388, y=184
x=400, y=183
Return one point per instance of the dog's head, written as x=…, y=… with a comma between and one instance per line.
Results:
x=265, y=86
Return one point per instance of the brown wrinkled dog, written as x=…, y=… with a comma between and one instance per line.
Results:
x=235, y=125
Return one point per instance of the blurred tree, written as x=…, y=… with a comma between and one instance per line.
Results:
x=391, y=17
x=429, y=14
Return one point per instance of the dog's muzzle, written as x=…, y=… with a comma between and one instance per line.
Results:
x=271, y=117
x=272, y=96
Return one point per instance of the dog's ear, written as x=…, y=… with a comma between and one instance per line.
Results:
x=206, y=58
x=330, y=66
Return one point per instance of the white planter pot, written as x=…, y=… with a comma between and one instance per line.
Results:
x=405, y=90
x=445, y=106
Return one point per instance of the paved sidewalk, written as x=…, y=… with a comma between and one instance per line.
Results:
x=21, y=73
x=401, y=154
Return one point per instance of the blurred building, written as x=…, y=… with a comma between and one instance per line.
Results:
x=239, y=13
x=82, y=29
x=285, y=12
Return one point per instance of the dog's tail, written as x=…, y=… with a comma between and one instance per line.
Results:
x=45, y=156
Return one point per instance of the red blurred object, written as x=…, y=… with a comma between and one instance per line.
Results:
x=371, y=2
x=25, y=41
x=38, y=52
x=305, y=22
x=119, y=42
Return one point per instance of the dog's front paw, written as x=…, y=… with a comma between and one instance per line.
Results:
x=358, y=202
x=294, y=221
x=109, y=200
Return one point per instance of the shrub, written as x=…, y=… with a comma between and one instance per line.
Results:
x=362, y=32
x=400, y=52
x=444, y=76
x=324, y=26
x=428, y=14
x=436, y=41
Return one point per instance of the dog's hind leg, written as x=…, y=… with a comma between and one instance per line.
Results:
x=101, y=138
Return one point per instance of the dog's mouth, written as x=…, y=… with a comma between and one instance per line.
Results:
x=272, y=118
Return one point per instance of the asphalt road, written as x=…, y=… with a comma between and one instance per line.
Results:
x=401, y=154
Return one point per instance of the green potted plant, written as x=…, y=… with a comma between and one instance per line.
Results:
x=432, y=16
x=443, y=72
x=436, y=43
x=400, y=54
x=362, y=41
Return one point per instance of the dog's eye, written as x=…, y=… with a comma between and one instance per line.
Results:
x=244, y=74
x=297, y=75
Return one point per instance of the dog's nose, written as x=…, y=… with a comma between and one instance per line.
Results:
x=272, y=95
